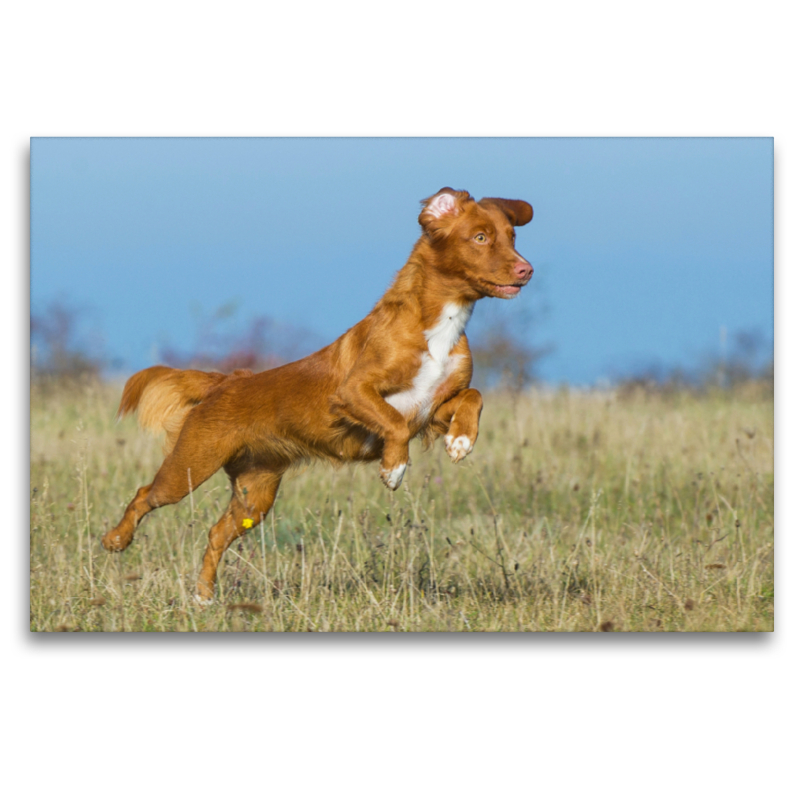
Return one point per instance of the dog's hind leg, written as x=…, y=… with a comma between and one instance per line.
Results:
x=253, y=496
x=119, y=538
x=192, y=462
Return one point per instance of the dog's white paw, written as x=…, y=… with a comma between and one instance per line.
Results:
x=393, y=477
x=203, y=601
x=457, y=447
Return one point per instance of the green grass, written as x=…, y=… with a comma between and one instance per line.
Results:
x=575, y=512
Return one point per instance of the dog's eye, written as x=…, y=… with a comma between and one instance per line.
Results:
x=481, y=237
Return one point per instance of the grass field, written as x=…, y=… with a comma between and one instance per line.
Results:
x=597, y=511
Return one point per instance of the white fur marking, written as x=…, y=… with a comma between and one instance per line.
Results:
x=394, y=477
x=457, y=448
x=436, y=365
x=442, y=204
x=203, y=601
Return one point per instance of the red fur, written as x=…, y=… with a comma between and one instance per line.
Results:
x=403, y=371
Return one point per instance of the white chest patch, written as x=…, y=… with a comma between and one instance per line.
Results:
x=437, y=363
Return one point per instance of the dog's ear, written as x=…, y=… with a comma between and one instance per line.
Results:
x=442, y=207
x=518, y=211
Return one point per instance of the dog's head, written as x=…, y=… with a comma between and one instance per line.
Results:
x=474, y=241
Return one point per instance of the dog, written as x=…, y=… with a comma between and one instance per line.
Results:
x=404, y=371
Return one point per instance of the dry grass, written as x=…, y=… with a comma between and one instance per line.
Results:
x=576, y=512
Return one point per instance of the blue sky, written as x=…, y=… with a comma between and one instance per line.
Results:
x=642, y=248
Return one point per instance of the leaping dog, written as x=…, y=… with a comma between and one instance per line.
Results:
x=403, y=371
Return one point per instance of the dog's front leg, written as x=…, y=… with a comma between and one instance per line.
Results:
x=364, y=405
x=460, y=416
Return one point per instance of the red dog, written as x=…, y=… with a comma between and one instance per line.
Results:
x=401, y=372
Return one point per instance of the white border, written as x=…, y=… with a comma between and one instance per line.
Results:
x=653, y=716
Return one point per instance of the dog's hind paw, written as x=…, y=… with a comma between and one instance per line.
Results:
x=393, y=477
x=457, y=447
x=114, y=543
x=203, y=601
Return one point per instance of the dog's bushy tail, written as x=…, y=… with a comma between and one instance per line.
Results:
x=163, y=396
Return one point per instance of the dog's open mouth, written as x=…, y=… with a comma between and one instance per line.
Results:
x=504, y=290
